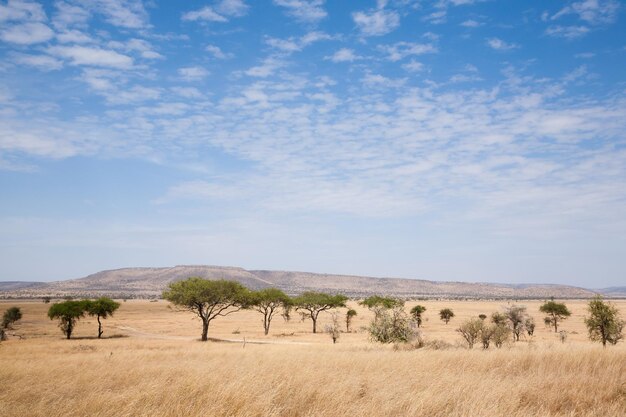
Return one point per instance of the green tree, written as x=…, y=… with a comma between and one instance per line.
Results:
x=268, y=302
x=376, y=303
x=11, y=316
x=68, y=313
x=393, y=325
x=349, y=316
x=446, y=314
x=102, y=308
x=556, y=312
x=417, y=312
x=207, y=299
x=604, y=323
x=313, y=303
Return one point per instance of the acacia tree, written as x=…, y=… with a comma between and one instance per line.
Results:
x=102, y=308
x=556, y=312
x=446, y=314
x=349, y=316
x=471, y=331
x=207, y=299
x=312, y=304
x=378, y=304
x=604, y=322
x=68, y=313
x=11, y=316
x=268, y=302
x=416, y=312
x=516, y=316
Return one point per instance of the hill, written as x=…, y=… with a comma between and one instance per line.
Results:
x=149, y=282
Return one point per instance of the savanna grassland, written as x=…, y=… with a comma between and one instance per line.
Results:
x=151, y=364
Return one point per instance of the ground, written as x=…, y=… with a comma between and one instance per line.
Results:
x=152, y=364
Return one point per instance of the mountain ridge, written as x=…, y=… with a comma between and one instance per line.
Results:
x=149, y=282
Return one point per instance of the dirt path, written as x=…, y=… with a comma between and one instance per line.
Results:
x=131, y=331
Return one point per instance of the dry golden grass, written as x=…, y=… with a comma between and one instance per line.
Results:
x=160, y=370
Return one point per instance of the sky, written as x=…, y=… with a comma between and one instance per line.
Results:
x=459, y=140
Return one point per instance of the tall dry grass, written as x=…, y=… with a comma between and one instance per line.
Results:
x=44, y=375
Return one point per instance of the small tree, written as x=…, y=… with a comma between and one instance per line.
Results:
x=11, y=316
x=529, y=324
x=333, y=329
x=516, y=316
x=313, y=303
x=471, y=330
x=268, y=302
x=68, y=313
x=556, y=312
x=46, y=300
x=482, y=316
x=446, y=314
x=604, y=323
x=500, y=333
x=207, y=299
x=286, y=313
x=498, y=318
x=393, y=326
x=417, y=312
x=486, y=333
x=350, y=314
x=102, y=308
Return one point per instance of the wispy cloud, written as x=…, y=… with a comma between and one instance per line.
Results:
x=343, y=55
x=376, y=22
x=311, y=11
x=567, y=32
x=500, y=45
x=26, y=33
x=401, y=50
x=92, y=56
x=194, y=73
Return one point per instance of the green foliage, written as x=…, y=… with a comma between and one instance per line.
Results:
x=604, y=323
x=11, y=316
x=417, y=312
x=268, y=301
x=471, y=331
x=377, y=302
x=67, y=312
x=349, y=316
x=500, y=333
x=446, y=314
x=556, y=312
x=208, y=299
x=102, y=308
x=313, y=303
x=498, y=318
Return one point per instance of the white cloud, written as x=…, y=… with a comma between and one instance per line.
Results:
x=92, y=56
x=500, y=45
x=343, y=55
x=235, y=8
x=69, y=15
x=436, y=18
x=267, y=68
x=567, y=32
x=595, y=12
x=470, y=23
x=187, y=92
x=16, y=10
x=304, y=10
x=376, y=22
x=27, y=33
x=206, y=13
x=293, y=44
x=401, y=50
x=192, y=73
x=42, y=62
x=74, y=36
x=413, y=66
x=217, y=52
x=377, y=80
x=129, y=14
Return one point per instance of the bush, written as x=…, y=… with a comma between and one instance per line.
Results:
x=604, y=323
x=11, y=316
x=471, y=331
x=393, y=326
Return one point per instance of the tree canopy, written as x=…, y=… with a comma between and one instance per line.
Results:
x=102, y=308
x=67, y=312
x=416, y=312
x=11, y=316
x=446, y=314
x=604, y=323
x=556, y=312
x=268, y=301
x=313, y=303
x=208, y=299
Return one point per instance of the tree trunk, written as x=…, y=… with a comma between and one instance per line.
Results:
x=314, y=319
x=555, y=326
x=205, y=330
x=266, y=323
x=99, y=327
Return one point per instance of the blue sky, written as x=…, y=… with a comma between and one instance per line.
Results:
x=448, y=140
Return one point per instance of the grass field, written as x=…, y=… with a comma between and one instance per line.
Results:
x=160, y=369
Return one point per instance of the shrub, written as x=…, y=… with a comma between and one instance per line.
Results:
x=11, y=316
x=446, y=314
x=393, y=326
x=471, y=331
x=604, y=323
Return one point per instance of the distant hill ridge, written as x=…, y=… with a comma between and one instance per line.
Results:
x=146, y=282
